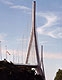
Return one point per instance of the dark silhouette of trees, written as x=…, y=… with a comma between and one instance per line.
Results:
x=9, y=71
x=58, y=75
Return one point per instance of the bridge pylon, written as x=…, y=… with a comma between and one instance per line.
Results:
x=33, y=40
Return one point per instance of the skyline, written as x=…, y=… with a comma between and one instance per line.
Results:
x=15, y=26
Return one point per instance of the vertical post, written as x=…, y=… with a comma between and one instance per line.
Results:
x=0, y=51
x=42, y=53
x=13, y=56
x=42, y=62
x=18, y=56
x=6, y=51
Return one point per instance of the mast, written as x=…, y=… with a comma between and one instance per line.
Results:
x=0, y=51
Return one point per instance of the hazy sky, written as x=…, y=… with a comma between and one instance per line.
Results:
x=15, y=25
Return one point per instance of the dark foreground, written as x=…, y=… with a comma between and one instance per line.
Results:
x=9, y=71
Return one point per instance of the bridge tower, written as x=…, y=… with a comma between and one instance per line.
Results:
x=34, y=38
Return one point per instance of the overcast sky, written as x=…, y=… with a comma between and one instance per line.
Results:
x=15, y=26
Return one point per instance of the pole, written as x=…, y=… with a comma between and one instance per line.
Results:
x=0, y=51
x=42, y=62
x=6, y=51
x=42, y=54
x=13, y=56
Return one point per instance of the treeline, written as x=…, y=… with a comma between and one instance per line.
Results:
x=9, y=71
x=58, y=75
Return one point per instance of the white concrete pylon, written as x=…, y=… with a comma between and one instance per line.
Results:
x=33, y=36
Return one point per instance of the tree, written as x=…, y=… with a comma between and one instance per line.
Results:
x=58, y=75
